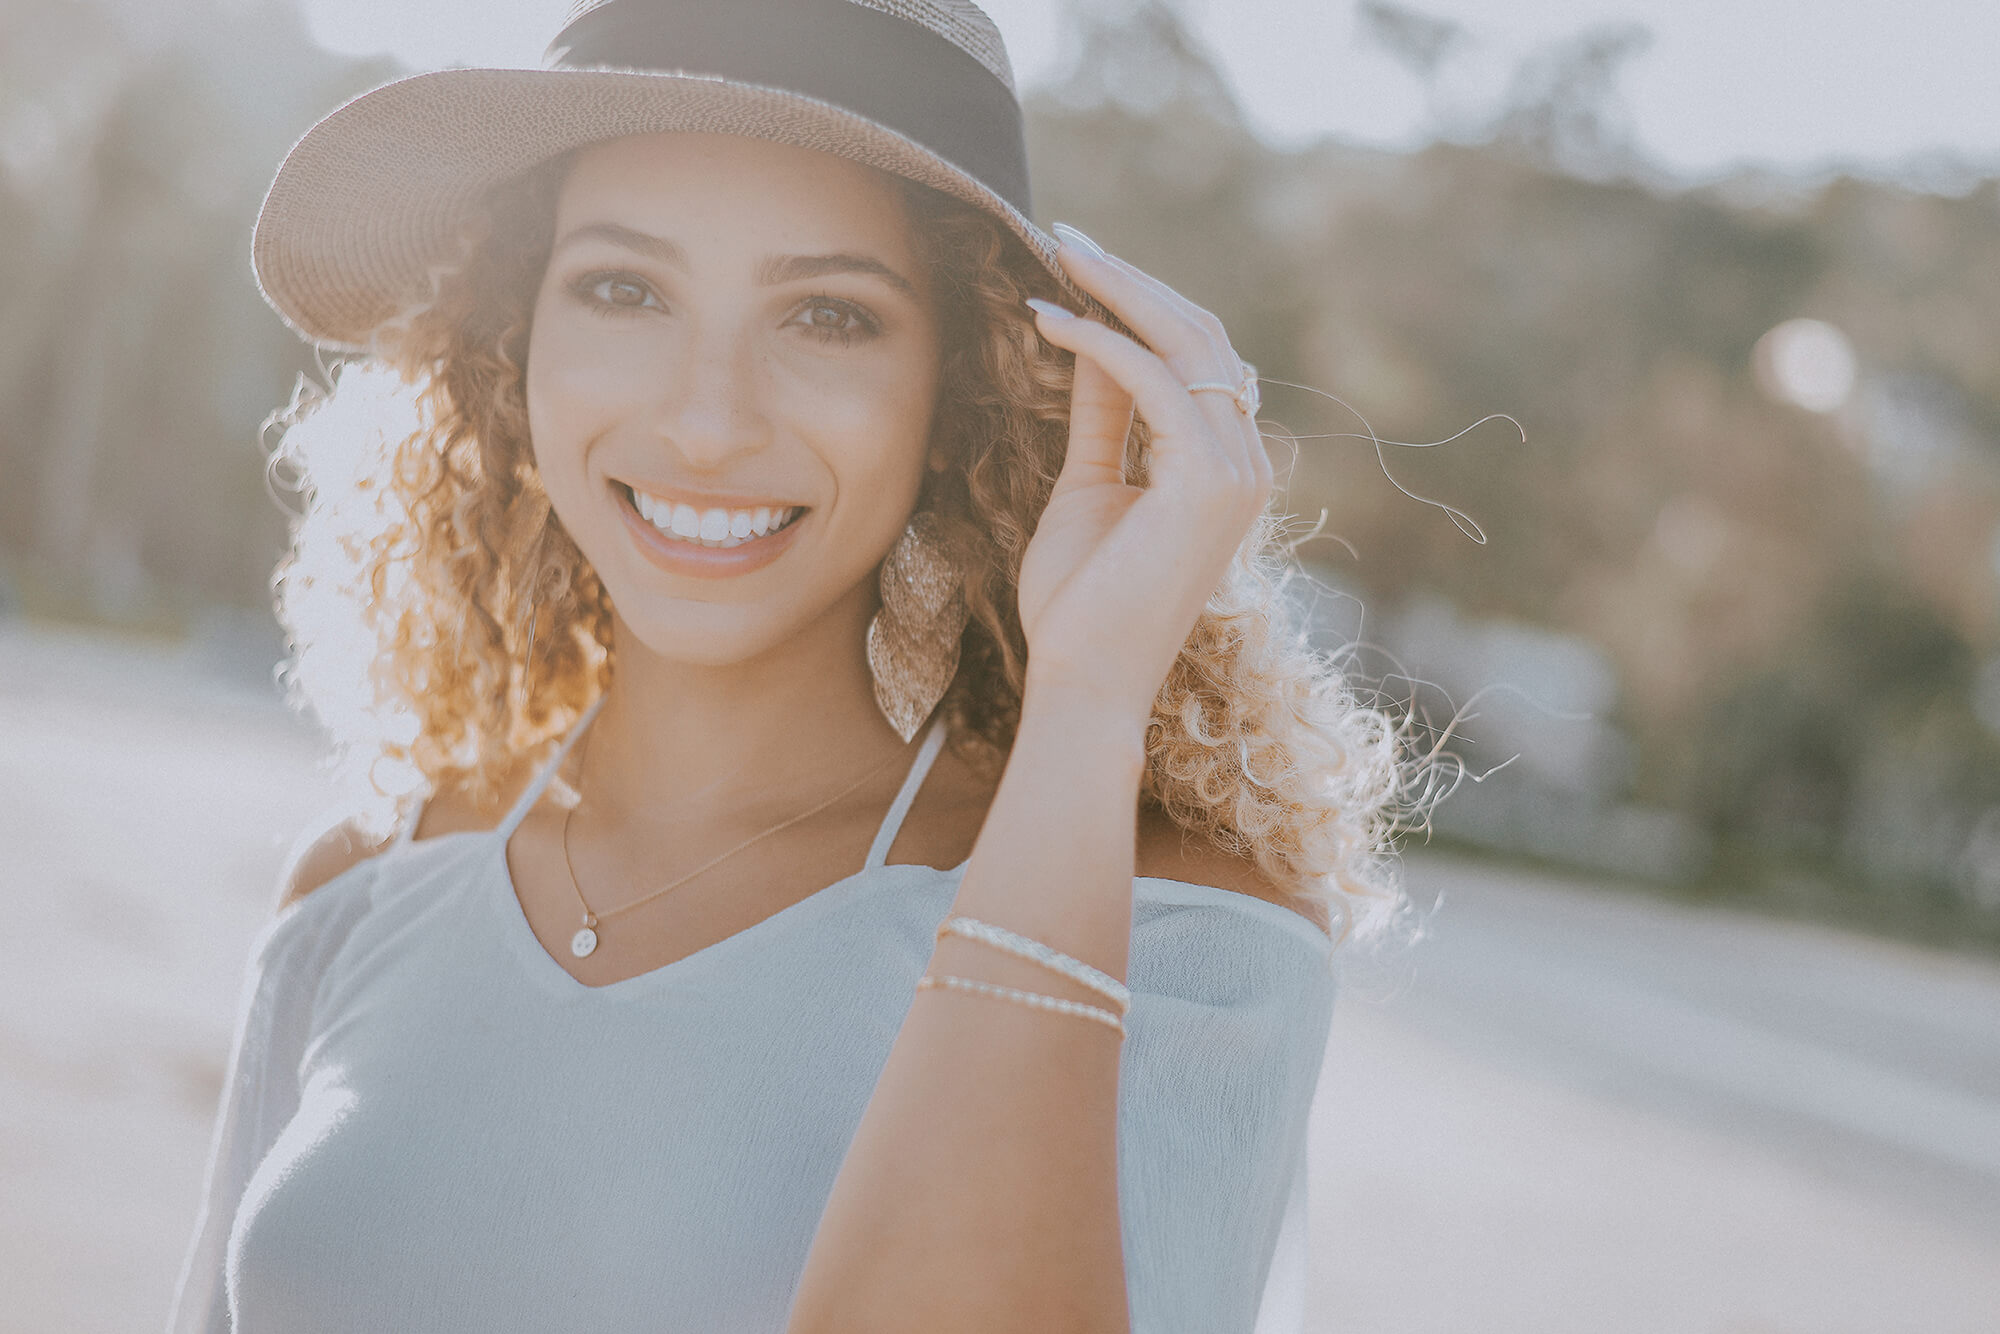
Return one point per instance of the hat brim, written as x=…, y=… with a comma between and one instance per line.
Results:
x=368, y=199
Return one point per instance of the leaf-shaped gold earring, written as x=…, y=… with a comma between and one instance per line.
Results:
x=913, y=640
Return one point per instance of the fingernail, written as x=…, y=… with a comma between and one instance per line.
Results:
x=1050, y=309
x=1078, y=239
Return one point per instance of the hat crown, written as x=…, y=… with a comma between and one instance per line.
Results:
x=962, y=23
x=368, y=204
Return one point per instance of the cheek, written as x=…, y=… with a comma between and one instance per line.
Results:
x=872, y=419
x=572, y=395
x=873, y=447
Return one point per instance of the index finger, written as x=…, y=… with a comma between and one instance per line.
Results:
x=1186, y=337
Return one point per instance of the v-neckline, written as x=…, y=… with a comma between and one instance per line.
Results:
x=543, y=964
x=501, y=890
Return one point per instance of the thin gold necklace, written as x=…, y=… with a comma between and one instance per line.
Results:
x=585, y=940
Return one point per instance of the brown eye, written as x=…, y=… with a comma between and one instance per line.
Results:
x=837, y=321
x=623, y=292
x=614, y=293
x=829, y=317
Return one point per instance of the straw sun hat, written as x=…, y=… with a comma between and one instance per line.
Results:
x=370, y=196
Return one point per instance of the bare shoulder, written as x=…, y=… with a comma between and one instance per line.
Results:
x=1171, y=853
x=321, y=857
x=456, y=811
x=316, y=859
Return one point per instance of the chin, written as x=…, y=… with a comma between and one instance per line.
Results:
x=712, y=636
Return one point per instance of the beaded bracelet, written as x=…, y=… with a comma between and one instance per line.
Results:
x=971, y=928
x=1031, y=998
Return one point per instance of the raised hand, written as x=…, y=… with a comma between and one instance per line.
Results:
x=1117, y=574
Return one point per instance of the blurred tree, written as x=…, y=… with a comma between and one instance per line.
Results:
x=1563, y=108
x=1418, y=42
x=136, y=359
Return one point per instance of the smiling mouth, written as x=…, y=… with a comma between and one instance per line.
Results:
x=715, y=528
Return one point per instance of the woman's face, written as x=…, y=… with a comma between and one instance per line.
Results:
x=730, y=384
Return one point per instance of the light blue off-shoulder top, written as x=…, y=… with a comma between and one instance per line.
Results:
x=428, y=1124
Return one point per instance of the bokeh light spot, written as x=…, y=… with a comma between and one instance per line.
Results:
x=1808, y=363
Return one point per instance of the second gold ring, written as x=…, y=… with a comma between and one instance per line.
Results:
x=1247, y=397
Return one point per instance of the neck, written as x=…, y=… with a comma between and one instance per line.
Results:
x=675, y=736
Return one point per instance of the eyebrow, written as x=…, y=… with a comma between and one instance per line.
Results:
x=774, y=269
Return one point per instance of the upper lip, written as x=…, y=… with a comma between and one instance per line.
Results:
x=708, y=500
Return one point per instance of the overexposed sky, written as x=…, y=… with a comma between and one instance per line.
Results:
x=1792, y=84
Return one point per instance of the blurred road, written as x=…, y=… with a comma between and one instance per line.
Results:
x=1598, y=1111
x=1567, y=1110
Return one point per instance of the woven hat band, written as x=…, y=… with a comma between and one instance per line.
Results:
x=893, y=71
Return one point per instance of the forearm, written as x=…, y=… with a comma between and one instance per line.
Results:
x=980, y=1192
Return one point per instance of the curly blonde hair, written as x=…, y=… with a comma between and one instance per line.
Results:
x=487, y=633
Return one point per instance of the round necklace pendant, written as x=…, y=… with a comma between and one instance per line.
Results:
x=583, y=942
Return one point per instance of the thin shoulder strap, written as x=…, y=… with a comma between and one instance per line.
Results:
x=892, y=823
x=406, y=828
x=533, y=792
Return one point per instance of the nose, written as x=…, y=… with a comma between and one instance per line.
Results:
x=712, y=413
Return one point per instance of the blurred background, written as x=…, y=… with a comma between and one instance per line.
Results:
x=1705, y=1031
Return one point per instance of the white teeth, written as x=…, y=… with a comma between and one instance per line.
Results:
x=713, y=527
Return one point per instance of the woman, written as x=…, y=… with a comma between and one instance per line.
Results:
x=695, y=991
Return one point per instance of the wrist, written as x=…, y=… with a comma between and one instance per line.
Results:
x=1077, y=717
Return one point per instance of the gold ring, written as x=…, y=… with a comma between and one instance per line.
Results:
x=1247, y=397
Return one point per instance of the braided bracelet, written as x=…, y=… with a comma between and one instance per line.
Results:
x=971, y=928
x=1031, y=998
